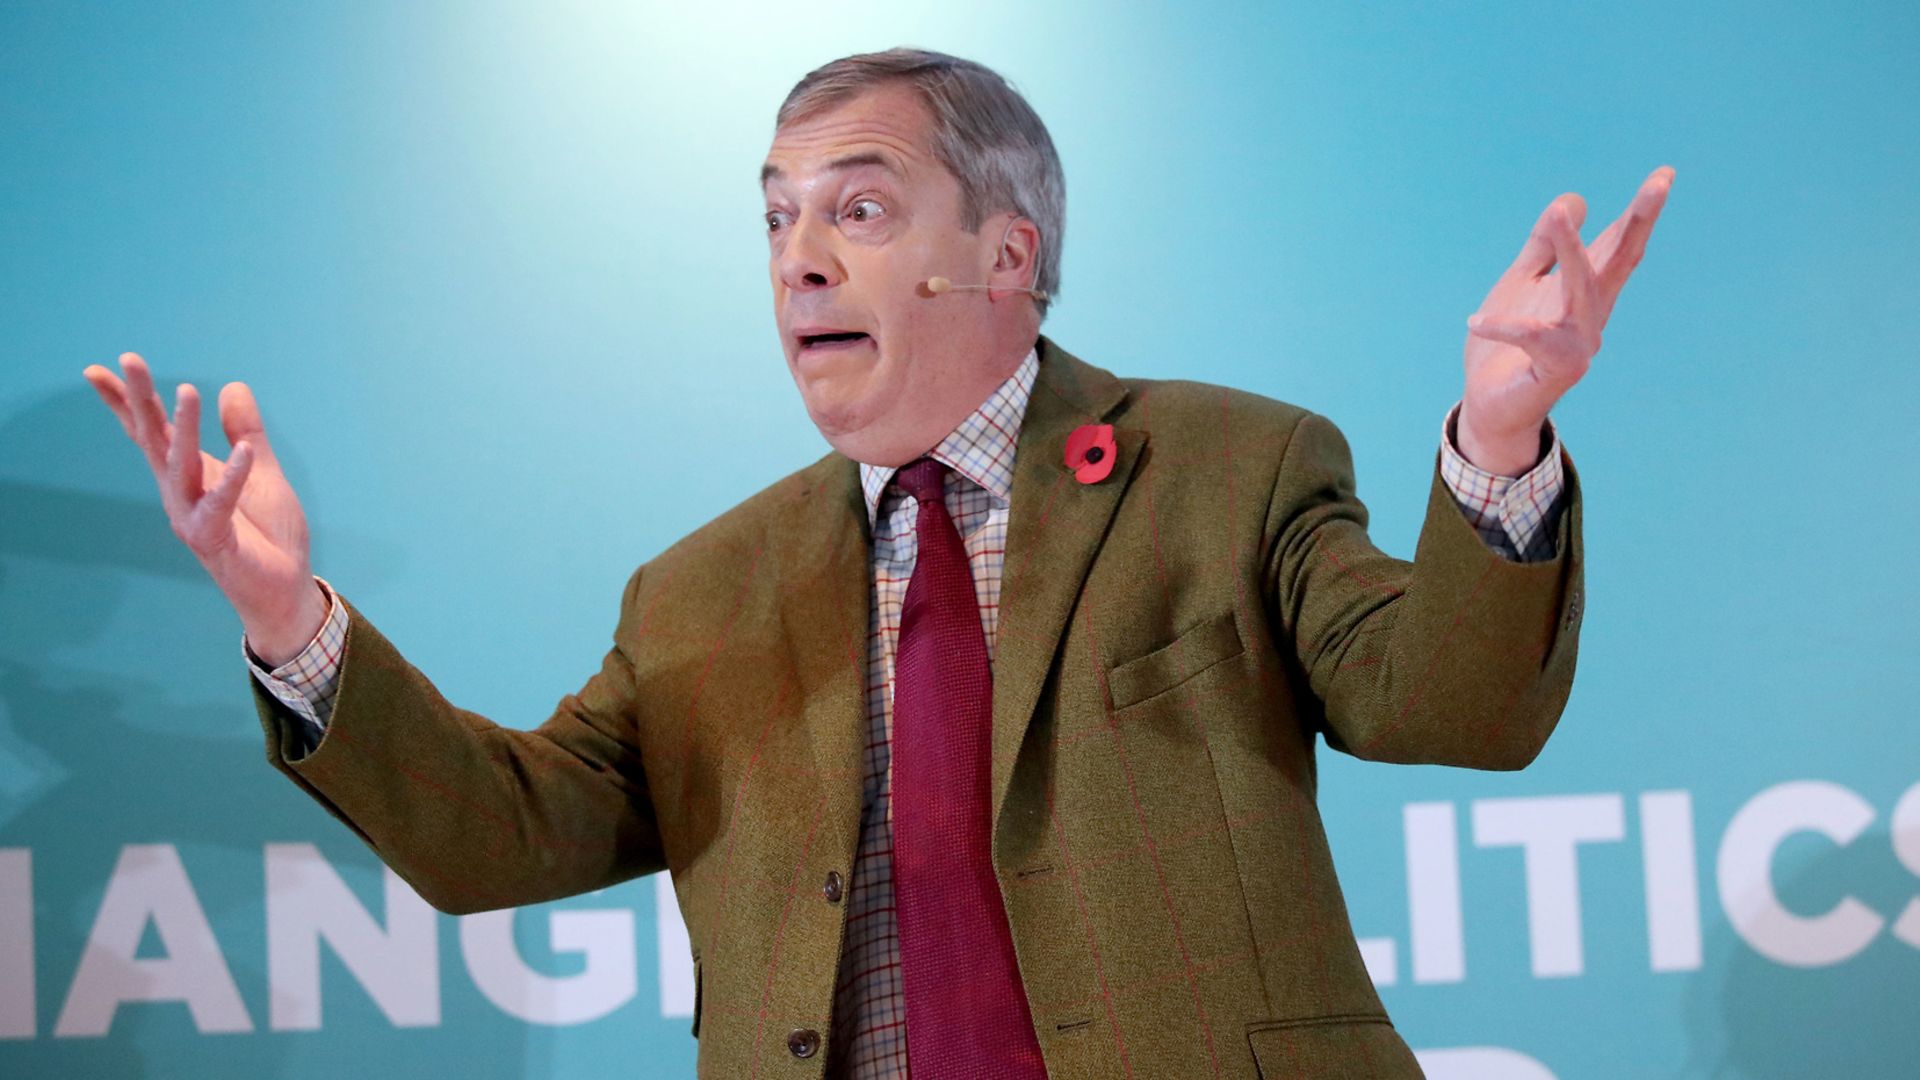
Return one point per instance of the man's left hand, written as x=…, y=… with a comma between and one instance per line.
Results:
x=1538, y=330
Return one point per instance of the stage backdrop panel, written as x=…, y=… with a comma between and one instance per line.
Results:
x=496, y=273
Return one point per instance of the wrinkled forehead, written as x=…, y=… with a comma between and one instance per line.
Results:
x=882, y=130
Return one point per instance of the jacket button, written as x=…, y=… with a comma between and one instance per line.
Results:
x=803, y=1042
x=833, y=889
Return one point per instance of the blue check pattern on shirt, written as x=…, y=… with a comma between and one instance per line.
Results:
x=869, y=1038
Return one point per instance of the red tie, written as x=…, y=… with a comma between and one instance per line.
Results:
x=967, y=1013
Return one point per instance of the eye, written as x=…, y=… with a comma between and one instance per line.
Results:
x=865, y=210
x=775, y=219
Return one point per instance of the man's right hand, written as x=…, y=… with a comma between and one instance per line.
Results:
x=239, y=517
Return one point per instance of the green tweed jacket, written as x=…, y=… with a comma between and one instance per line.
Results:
x=1173, y=642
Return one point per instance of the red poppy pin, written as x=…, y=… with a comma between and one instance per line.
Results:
x=1090, y=452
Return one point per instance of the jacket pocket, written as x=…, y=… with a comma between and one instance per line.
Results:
x=1363, y=1046
x=1194, y=651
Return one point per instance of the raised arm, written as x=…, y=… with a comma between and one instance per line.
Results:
x=1462, y=656
x=474, y=815
x=1459, y=657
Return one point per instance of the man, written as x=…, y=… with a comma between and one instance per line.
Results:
x=983, y=746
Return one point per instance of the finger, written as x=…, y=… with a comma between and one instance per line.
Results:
x=149, y=416
x=240, y=417
x=225, y=495
x=1650, y=194
x=1576, y=208
x=183, y=453
x=1616, y=262
x=112, y=391
x=1537, y=254
x=1576, y=274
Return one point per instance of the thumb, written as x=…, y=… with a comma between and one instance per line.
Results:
x=240, y=417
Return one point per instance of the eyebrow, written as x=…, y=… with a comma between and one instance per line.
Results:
x=851, y=161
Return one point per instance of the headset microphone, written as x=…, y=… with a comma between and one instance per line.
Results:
x=934, y=286
x=938, y=285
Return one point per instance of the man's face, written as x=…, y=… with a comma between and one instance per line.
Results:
x=859, y=215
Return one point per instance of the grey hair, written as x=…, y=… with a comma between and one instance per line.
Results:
x=984, y=132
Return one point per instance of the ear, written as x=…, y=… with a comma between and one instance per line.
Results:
x=1017, y=262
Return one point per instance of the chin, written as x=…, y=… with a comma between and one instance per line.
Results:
x=853, y=429
x=840, y=422
x=844, y=403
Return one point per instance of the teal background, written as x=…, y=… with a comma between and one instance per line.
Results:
x=496, y=274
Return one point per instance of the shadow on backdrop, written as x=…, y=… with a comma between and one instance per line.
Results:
x=1752, y=1017
x=104, y=744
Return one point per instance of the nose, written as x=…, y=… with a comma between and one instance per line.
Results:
x=807, y=262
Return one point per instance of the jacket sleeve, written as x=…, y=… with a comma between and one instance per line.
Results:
x=472, y=814
x=1459, y=657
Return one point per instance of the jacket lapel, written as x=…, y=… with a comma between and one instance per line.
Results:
x=1056, y=526
x=824, y=578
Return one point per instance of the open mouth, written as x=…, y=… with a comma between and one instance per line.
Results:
x=836, y=340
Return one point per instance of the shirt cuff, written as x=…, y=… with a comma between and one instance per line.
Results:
x=308, y=683
x=1511, y=513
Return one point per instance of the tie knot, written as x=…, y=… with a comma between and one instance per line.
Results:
x=923, y=478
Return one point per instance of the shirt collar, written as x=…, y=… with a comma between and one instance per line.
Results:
x=980, y=449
